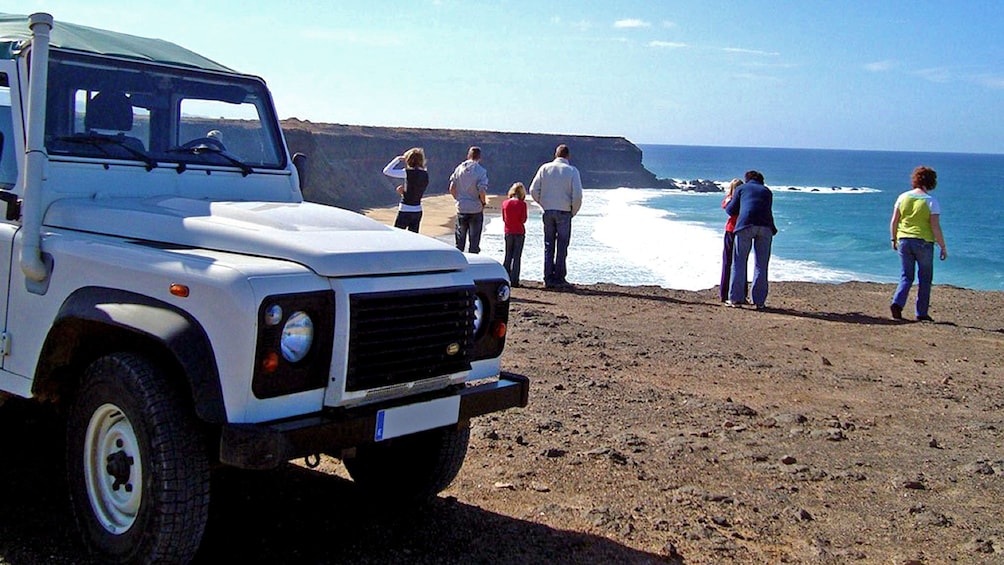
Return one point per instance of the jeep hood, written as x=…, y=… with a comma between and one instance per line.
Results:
x=330, y=241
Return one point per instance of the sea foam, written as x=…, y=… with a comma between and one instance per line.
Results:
x=621, y=237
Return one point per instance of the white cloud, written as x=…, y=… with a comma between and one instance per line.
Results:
x=667, y=23
x=667, y=44
x=934, y=74
x=992, y=81
x=631, y=23
x=750, y=51
x=880, y=66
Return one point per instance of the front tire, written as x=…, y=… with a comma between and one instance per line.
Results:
x=138, y=469
x=411, y=468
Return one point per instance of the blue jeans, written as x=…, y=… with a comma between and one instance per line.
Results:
x=759, y=238
x=513, y=255
x=557, y=234
x=469, y=225
x=915, y=254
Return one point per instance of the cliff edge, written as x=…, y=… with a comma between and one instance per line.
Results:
x=345, y=163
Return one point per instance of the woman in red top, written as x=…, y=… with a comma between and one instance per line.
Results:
x=514, y=218
x=730, y=240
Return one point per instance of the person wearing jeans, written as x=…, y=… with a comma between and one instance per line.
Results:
x=557, y=189
x=469, y=187
x=759, y=239
x=914, y=229
x=753, y=204
x=557, y=235
x=514, y=222
x=915, y=255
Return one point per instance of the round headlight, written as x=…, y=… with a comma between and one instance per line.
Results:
x=297, y=336
x=503, y=293
x=273, y=315
x=479, y=313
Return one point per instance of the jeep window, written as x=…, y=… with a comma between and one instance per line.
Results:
x=158, y=115
x=8, y=167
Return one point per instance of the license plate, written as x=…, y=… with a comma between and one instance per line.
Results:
x=404, y=420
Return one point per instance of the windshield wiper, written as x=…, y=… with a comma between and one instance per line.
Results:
x=201, y=148
x=99, y=140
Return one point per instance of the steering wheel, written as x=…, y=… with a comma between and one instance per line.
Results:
x=210, y=142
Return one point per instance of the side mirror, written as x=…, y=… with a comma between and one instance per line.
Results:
x=300, y=162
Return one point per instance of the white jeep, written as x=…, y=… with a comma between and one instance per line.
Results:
x=165, y=286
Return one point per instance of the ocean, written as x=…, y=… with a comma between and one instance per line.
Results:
x=831, y=207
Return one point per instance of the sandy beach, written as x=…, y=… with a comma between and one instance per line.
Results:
x=438, y=214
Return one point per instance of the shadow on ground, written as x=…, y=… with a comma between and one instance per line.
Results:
x=289, y=516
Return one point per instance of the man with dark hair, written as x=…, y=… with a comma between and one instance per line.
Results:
x=557, y=188
x=753, y=203
x=469, y=187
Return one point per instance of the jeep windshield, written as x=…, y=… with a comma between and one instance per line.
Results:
x=159, y=116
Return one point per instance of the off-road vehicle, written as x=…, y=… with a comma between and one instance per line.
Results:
x=166, y=287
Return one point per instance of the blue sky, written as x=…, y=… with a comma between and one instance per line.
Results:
x=890, y=75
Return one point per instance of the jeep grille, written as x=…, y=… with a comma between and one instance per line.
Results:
x=399, y=337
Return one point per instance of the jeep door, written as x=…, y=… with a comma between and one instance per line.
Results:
x=10, y=128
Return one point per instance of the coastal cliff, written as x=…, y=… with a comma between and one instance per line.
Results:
x=345, y=163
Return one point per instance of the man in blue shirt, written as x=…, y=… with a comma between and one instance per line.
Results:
x=753, y=203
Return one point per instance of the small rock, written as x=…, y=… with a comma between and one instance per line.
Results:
x=618, y=457
x=933, y=444
x=737, y=409
x=789, y=419
x=803, y=515
x=504, y=486
x=539, y=487
x=979, y=468
x=913, y=484
x=721, y=521
x=929, y=518
x=980, y=546
x=789, y=460
x=671, y=552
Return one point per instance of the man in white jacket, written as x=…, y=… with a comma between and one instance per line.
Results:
x=557, y=188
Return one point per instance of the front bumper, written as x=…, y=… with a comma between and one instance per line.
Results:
x=268, y=445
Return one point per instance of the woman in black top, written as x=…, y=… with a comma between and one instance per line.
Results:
x=416, y=180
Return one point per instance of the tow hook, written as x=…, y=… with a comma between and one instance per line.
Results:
x=312, y=461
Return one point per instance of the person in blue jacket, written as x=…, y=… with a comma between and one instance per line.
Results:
x=753, y=204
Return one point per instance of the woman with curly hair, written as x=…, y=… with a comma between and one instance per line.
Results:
x=416, y=180
x=914, y=229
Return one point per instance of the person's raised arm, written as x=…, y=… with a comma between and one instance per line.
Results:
x=392, y=170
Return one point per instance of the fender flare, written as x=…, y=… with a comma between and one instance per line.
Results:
x=180, y=335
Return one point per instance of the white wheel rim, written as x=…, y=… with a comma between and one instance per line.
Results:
x=113, y=470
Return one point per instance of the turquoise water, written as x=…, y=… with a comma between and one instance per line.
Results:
x=832, y=209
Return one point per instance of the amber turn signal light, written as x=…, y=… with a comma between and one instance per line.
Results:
x=500, y=329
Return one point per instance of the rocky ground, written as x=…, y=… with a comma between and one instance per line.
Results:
x=663, y=427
